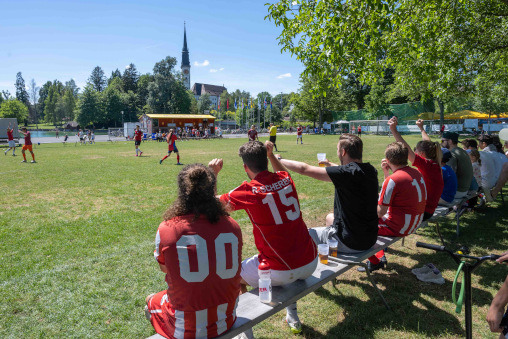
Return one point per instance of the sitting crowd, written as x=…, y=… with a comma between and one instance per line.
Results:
x=199, y=246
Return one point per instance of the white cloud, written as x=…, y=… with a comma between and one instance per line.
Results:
x=285, y=75
x=204, y=63
x=213, y=70
x=128, y=66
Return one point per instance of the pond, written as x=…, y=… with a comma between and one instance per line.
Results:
x=47, y=134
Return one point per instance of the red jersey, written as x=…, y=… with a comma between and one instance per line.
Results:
x=171, y=141
x=28, y=138
x=405, y=193
x=10, y=135
x=204, y=263
x=433, y=177
x=280, y=234
x=252, y=134
x=299, y=131
x=138, y=135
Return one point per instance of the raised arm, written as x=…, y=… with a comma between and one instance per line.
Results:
x=392, y=123
x=315, y=172
x=425, y=136
x=274, y=160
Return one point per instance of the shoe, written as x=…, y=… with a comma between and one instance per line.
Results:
x=294, y=327
x=140, y=153
x=13, y=154
x=179, y=163
x=383, y=260
x=136, y=155
x=33, y=162
x=488, y=196
x=431, y=277
x=147, y=313
x=425, y=269
x=23, y=161
x=5, y=153
x=371, y=267
x=160, y=162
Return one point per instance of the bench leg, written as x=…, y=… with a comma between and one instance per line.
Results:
x=402, y=243
x=374, y=285
x=457, y=217
x=439, y=233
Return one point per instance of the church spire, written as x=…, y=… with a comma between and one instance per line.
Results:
x=185, y=51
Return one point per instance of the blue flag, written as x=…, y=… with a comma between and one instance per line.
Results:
x=265, y=102
x=235, y=104
x=270, y=104
x=259, y=104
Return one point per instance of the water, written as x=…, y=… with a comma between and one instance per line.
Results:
x=48, y=134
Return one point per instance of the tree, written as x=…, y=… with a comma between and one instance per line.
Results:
x=43, y=94
x=97, y=79
x=90, y=108
x=491, y=96
x=115, y=75
x=193, y=109
x=204, y=103
x=34, y=98
x=142, y=90
x=21, y=93
x=71, y=85
x=113, y=106
x=13, y=108
x=439, y=44
x=130, y=78
x=50, y=106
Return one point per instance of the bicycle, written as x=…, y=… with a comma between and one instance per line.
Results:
x=468, y=268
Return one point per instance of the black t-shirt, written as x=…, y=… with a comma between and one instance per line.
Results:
x=355, y=205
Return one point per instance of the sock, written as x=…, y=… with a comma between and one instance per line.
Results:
x=165, y=157
x=292, y=314
x=136, y=151
x=374, y=260
x=33, y=157
x=24, y=156
x=178, y=158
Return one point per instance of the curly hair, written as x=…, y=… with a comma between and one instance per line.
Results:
x=196, y=195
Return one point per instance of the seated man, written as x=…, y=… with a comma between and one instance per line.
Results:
x=354, y=219
x=402, y=200
x=460, y=163
x=449, y=179
x=486, y=143
x=280, y=234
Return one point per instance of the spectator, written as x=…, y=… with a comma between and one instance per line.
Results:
x=498, y=306
x=280, y=234
x=469, y=144
x=476, y=161
x=489, y=150
x=449, y=179
x=354, y=219
x=402, y=201
x=299, y=134
x=459, y=162
x=427, y=158
x=198, y=302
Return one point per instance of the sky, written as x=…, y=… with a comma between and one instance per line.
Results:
x=230, y=43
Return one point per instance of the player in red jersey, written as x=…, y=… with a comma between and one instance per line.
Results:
x=299, y=134
x=10, y=140
x=253, y=134
x=138, y=136
x=402, y=201
x=171, y=138
x=199, y=247
x=280, y=234
x=27, y=145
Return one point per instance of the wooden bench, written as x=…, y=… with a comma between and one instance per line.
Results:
x=251, y=311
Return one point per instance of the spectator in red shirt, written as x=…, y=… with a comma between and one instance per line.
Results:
x=253, y=134
x=138, y=136
x=299, y=134
x=10, y=140
x=359, y=131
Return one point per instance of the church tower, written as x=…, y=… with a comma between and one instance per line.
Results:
x=185, y=61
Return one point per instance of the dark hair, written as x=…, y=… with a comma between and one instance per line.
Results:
x=497, y=142
x=196, y=194
x=432, y=150
x=254, y=156
x=396, y=153
x=486, y=139
x=476, y=154
x=352, y=144
x=469, y=143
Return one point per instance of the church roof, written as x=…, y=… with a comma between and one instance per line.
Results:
x=185, y=51
x=214, y=90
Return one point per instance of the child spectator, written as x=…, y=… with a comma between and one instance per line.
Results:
x=449, y=179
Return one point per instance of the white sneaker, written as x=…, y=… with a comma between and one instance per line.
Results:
x=431, y=277
x=421, y=270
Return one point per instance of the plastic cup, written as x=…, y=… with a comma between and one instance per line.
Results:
x=321, y=157
x=333, y=243
x=323, y=250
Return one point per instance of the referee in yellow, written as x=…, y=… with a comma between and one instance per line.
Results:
x=273, y=135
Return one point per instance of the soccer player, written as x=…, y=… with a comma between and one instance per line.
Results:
x=171, y=138
x=10, y=140
x=138, y=136
x=280, y=234
x=402, y=201
x=27, y=145
x=253, y=134
x=199, y=247
x=273, y=135
x=359, y=131
x=354, y=221
x=299, y=132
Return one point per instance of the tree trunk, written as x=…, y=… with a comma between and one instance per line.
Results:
x=320, y=114
x=441, y=112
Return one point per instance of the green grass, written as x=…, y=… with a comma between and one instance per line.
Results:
x=77, y=232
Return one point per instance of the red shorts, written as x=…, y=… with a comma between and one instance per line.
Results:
x=27, y=147
x=161, y=313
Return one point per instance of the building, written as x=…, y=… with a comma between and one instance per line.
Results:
x=213, y=90
x=154, y=122
x=185, y=66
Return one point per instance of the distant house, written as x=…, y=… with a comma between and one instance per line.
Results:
x=71, y=125
x=213, y=90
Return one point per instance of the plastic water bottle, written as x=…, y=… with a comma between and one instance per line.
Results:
x=265, y=282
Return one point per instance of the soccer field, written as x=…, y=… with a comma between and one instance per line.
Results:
x=77, y=238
